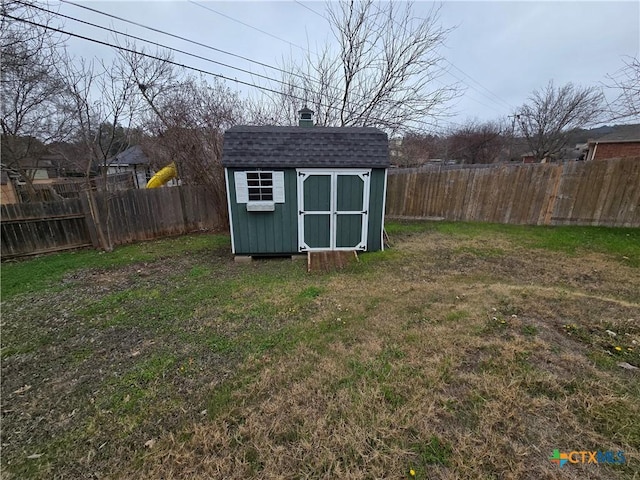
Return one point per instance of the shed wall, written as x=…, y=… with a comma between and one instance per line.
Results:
x=265, y=233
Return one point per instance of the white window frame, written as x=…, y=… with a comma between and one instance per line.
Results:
x=243, y=188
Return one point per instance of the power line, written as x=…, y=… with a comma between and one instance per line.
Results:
x=181, y=38
x=504, y=102
x=459, y=69
x=250, y=26
x=161, y=45
x=310, y=9
x=181, y=65
x=154, y=57
x=301, y=48
x=147, y=55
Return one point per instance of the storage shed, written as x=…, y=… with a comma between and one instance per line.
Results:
x=305, y=188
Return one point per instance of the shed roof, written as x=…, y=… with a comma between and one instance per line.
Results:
x=316, y=147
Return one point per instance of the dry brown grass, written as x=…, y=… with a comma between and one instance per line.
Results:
x=459, y=357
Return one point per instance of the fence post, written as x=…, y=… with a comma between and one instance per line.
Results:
x=95, y=217
x=88, y=217
x=558, y=171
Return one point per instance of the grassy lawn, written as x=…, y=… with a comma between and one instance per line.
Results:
x=462, y=351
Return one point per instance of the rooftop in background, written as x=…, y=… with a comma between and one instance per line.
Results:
x=622, y=133
x=131, y=156
x=316, y=147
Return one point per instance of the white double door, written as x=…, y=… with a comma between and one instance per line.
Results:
x=333, y=209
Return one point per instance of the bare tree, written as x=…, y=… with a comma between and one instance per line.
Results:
x=187, y=117
x=32, y=111
x=553, y=112
x=380, y=72
x=100, y=98
x=626, y=82
x=476, y=142
x=194, y=118
x=417, y=148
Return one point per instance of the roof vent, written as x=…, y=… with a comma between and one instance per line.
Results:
x=305, y=118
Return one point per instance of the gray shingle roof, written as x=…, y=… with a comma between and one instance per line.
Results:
x=131, y=156
x=314, y=147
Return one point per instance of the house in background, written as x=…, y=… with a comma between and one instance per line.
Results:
x=624, y=143
x=305, y=188
x=530, y=157
x=133, y=160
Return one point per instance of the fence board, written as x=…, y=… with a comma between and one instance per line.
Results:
x=115, y=217
x=574, y=193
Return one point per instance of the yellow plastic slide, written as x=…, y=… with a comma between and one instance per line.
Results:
x=163, y=176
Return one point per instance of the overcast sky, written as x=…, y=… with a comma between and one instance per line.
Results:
x=499, y=52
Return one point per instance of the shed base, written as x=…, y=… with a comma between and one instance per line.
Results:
x=248, y=258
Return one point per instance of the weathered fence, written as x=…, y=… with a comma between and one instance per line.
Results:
x=105, y=219
x=73, y=188
x=573, y=193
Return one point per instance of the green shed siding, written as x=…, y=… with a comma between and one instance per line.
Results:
x=263, y=233
x=276, y=232
x=376, y=209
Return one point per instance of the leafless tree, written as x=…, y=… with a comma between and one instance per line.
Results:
x=418, y=148
x=32, y=114
x=380, y=71
x=553, y=112
x=187, y=117
x=476, y=142
x=193, y=120
x=626, y=83
x=100, y=98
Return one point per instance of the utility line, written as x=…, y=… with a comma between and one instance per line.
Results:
x=298, y=46
x=205, y=72
x=161, y=45
x=310, y=9
x=496, y=97
x=171, y=62
x=250, y=26
x=266, y=65
x=177, y=64
x=457, y=68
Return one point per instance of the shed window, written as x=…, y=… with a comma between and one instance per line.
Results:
x=260, y=186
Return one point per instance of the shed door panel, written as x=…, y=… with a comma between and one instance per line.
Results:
x=333, y=209
x=348, y=231
x=316, y=194
x=317, y=231
x=350, y=193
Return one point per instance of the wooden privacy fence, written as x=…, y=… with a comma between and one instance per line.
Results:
x=574, y=193
x=106, y=219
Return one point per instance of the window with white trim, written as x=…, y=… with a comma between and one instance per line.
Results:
x=260, y=186
x=260, y=190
